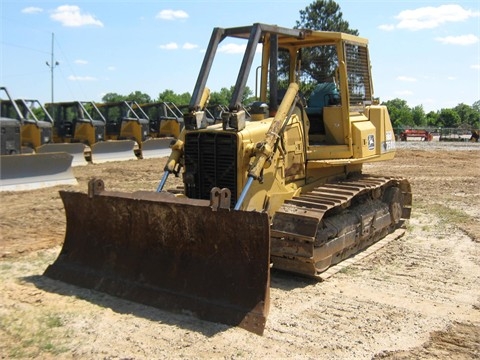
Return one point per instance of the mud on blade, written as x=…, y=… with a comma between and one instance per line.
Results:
x=171, y=253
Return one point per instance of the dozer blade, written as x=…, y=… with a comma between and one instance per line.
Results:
x=35, y=171
x=27, y=150
x=172, y=253
x=114, y=150
x=155, y=148
x=77, y=150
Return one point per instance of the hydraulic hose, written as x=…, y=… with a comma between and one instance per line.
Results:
x=163, y=181
x=240, y=200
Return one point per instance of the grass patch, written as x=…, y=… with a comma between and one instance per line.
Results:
x=445, y=213
x=31, y=337
x=426, y=228
x=449, y=215
x=5, y=266
x=349, y=270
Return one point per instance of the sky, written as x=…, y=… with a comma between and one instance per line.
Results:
x=424, y=52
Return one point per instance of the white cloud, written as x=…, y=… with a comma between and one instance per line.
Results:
x=431, y=17
x=81, y=62
x=171, y=15
x=169, y=46
x=404, y=93
x=469, y=39
x=406, y=78
x=232, y=48
x=189, y=46
x=387, y=27
x=451, y=78
x=475, y=66
x=32, y=10
x=175, y=46
x=111, y=68
x=72, y=16
x=82, y=78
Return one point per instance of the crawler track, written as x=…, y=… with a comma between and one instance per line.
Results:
x=318, y=229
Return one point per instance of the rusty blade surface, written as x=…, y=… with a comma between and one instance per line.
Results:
x=174, y=254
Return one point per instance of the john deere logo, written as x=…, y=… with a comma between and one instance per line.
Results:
x=371, y=142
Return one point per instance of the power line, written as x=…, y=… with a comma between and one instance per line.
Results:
x=68, y=62
x=24, y=47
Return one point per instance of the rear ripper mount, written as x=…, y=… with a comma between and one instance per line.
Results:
x=135, y=255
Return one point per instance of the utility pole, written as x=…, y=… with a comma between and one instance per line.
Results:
x=52, y=64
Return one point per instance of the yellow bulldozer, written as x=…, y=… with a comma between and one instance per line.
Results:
x=80, y=129
x=35, y=132
x=22, y=136
x=126, y=120
x=279, y=185
x=166, y=119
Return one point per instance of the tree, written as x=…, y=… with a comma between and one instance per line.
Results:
x=418, y=116
x=39, y=113
x=178, y=99
x=400, y=114
x=139, y=97
x=224, y=95
x=448, y=118
x=468, y=115
x=221, y=97
x=476, y=106
x=112, y=97
x=432, y=118
x=318, y=63
x=325, y=16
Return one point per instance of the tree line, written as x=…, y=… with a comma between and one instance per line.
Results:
x=462, y=115
x=221, y=97
x=401, y=114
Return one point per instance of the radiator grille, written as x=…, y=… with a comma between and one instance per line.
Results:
x=210, y=160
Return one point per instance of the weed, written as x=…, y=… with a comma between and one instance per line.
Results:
x=426, y=228
x=30, y=337
x=4, y=266
x=450, y=215
x=53, y=321
x=349, y=270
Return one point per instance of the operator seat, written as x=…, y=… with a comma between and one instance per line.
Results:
x=324, y=94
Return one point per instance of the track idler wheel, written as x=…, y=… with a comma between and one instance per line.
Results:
x=394, y=198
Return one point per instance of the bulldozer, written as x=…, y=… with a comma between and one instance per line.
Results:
x=126, y=120
x=80, y=129
x=279, y=186
x=34, y=132
x=21, y=136
x=166, y=119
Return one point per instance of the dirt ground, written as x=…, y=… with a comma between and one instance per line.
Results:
x=417, y=297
